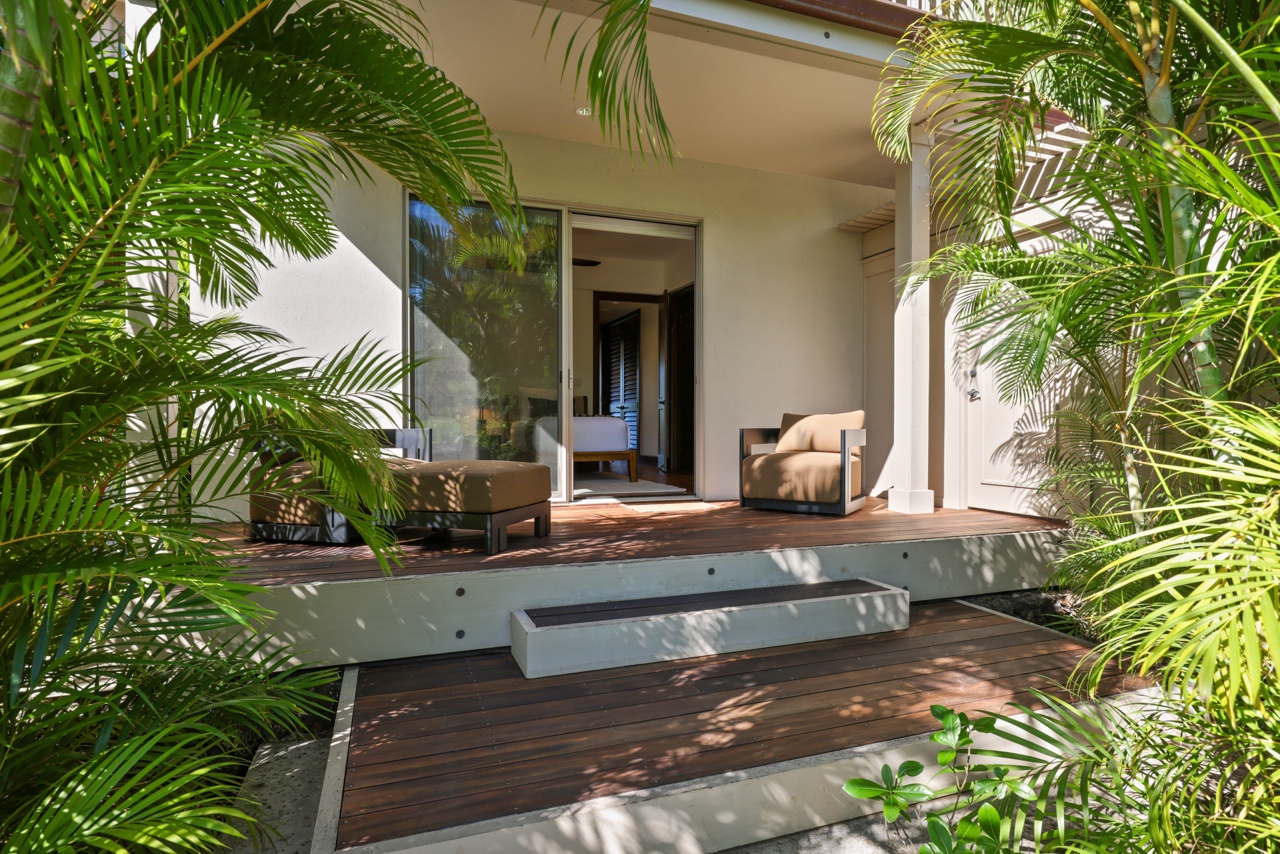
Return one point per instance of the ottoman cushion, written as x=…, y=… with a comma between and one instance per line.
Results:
x=447, y=486
x=279, y=509
x=470, y=486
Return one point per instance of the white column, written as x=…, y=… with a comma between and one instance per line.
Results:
x=910, y=492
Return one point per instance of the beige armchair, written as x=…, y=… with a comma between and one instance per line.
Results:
x=810, y=464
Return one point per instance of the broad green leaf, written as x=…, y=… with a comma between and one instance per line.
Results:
x=914, y=792
x=860, y=787
x=910, y=768
x=989, y=821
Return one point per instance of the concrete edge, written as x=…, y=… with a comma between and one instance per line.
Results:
x=526, y=622
x=605, y=644
x=1081, y=641
x=392, y=578
x=324, y=839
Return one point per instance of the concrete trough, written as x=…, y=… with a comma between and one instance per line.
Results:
x=598, y=636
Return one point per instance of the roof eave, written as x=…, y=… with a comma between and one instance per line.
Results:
x=877, y=16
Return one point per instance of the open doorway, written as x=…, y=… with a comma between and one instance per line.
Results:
x=633, y=360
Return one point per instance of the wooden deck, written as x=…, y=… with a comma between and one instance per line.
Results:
x=610, y=532
x=448, y=741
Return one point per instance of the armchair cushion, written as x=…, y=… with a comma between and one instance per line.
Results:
x=808, y=476
x=818, y=432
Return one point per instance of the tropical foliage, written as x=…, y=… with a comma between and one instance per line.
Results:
x=140, y=177
x=153, y=173
x=1145, y=304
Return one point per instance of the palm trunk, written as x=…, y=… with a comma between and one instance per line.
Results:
x=1180, y=228
x=1132, y=483
x=22, y=83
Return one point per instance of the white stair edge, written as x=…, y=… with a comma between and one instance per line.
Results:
x=581, y=647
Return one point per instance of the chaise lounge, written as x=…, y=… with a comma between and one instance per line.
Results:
x=809, y=464
x=487, y=495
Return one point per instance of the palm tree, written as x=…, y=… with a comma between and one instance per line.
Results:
x=1161, y=293
x=164, y=167
x=993, y=73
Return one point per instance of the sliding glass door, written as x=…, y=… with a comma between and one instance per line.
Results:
x=489, y=331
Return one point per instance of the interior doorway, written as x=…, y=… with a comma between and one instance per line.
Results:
x=633, y=360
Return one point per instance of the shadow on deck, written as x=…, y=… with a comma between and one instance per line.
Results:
x=450, y=741
x=619, y=532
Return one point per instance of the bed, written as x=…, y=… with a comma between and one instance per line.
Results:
x=596, y=439
x=603, y=439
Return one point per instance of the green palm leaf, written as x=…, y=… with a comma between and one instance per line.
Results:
x=162, y=791
x=612, y=63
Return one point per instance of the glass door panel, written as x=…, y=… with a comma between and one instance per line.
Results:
x=489, y=331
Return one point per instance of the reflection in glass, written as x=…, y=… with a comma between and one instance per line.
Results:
x=490, y=330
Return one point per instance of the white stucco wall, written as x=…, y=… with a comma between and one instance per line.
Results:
x=779, y=296
x=324, y=305
x=879, y=298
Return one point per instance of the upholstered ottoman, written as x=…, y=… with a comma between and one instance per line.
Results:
x=477, y=494
x=293, y=517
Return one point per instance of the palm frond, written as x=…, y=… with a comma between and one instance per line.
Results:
x=159, y=791
x=612, y=64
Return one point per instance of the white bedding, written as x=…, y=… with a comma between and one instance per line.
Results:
x=595, y=433
x=591, y=433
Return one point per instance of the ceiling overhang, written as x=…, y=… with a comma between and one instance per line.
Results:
x=877, y=16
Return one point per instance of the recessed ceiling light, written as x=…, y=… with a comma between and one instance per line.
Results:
x=584, y=111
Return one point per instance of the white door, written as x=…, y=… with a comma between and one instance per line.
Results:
x=566, y=358
x=1005, y=446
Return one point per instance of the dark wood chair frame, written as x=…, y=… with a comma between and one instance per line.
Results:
x=494, y=525
x=849, y=439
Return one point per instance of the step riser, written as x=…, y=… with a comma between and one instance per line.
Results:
x=577, y=648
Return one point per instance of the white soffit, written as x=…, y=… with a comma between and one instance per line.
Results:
x=729, y=97
x=620, y=225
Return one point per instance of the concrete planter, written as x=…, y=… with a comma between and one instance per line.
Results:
x=598, y=644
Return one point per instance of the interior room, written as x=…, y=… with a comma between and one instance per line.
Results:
x=634, y=328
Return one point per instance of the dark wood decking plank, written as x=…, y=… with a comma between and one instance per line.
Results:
x=688, y=602
x=406, y=719
x=482, y=742
x=511, y=724
x=516, y=798
x=756, y=724
x=820, y=692
x=414, y=718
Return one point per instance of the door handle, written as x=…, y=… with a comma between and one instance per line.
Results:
x=974, y=395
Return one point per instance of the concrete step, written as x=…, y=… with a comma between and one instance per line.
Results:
x=600, y=635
